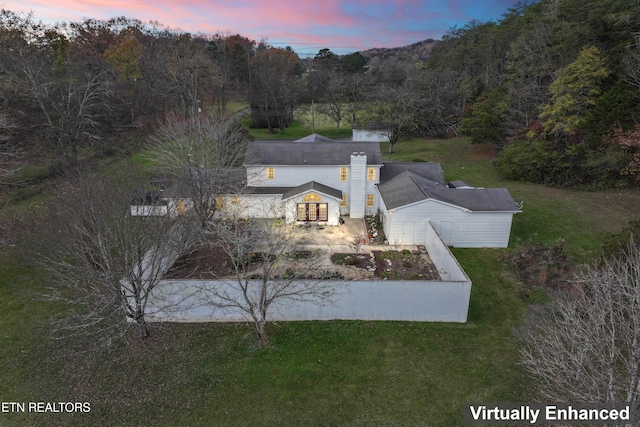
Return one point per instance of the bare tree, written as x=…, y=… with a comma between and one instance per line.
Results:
x=106, y=262
x=586, y=346
x=68, y=98
x=274, y=87
x=257, y=248
x=396, y=111
x=631, y=70
x=335, y=100
x=204, y=153
x=8, y=151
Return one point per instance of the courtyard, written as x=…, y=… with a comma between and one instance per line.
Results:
x=322, y=252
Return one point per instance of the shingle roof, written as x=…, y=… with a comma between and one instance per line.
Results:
x=314, y=137
x=303, y=153
x=312, y=185
x=459, y=183
x=407, y=188
x=431, y=170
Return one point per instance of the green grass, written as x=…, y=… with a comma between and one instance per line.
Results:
x=315, y=373
x=304, y=124
x=581, y=218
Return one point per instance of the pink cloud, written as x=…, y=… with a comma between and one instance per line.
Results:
x=351, y=24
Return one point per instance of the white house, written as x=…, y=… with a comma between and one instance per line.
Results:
x=370, y=133
x=318, y=180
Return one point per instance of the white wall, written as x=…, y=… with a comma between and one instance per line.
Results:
x=149, y=210
x=369, y=135
x=456, y=227
x=260, y=206
x=293, y=176
x=189, y=301
x=444, y=261
x=424, y=301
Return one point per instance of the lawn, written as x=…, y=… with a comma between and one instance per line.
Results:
x=314, y=373
x=304, y=123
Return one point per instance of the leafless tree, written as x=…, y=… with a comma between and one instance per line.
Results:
x=204, y=154
x=8, y=151
x=586, y=346
x=105, y=262
x=631, y=69
x=68, y=99
x=397, y=111
x=335, y=100
x=257, y=248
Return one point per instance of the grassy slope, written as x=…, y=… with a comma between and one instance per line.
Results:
x=328, y=373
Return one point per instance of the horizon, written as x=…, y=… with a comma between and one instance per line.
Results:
x=343, y=27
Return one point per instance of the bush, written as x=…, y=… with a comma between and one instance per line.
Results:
x=545, y=266
x=617, y=244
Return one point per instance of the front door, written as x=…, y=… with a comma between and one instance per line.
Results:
x=313, y=212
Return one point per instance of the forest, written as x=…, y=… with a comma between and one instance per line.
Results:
x=555, y=85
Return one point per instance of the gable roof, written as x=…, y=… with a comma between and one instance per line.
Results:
x=431, y=170
x=408, y=188
x=312, y=185
x=458, y=183
x=302, y=153
x=314, y=137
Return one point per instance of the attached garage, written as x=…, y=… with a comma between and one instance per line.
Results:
x=468, y=218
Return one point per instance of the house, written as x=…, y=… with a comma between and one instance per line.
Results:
x=372, y=132
x=314, y=181
x=319, y=180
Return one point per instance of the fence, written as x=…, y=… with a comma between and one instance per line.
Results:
x=446, y=300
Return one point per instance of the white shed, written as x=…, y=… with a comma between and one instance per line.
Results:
x=470, y=218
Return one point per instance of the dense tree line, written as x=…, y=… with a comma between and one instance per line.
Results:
x=555, y=84
x=71, y=87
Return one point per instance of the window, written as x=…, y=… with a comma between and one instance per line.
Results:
x=371, y=174
x=271, y=172
x=344, y=174
x=302, y=212
x=312, y=212
x=370, y=200
x=323, y=213
x=344, y=200
x=219, y=203
x=235, y=200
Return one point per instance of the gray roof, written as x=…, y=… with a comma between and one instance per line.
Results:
x=268, y=190
x=314, y=137
x=302, y=153
x=459, y=183
x=408, y=187
x=312, y=185
x=431, y=170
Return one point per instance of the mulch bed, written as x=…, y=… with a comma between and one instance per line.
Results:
x=204, y=263
x=404, y=265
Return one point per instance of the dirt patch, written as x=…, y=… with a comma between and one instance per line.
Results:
x=404, y=265
x=202, y=263
x=210, y=263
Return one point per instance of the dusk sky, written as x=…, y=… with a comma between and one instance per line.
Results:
x=306, y=25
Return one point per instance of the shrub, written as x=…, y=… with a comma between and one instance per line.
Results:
x=546, y=266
